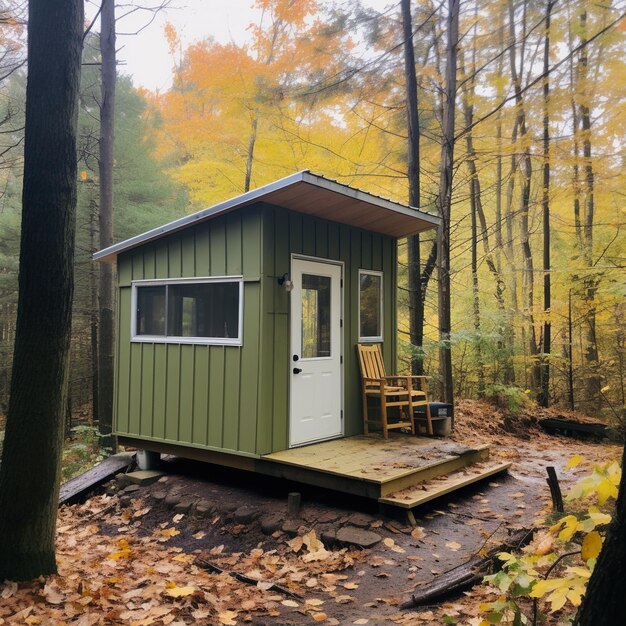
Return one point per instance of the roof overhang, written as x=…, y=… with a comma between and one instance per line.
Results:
x=306, y=193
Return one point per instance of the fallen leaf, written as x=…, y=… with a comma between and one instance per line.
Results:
x=343, y=599
x=320, y=617
x=180, y=592
x=227, y=618
x=295, y=544
x=418, y=533
x=291, y=603
x=264, y=585
x=453, y=545
x=53, y=593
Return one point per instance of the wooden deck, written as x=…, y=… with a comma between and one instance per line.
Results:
x=370, y=466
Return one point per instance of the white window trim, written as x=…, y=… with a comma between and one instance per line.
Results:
x=209, y=341
x=378, y=339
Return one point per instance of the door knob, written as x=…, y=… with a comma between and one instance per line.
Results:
x=296, y=370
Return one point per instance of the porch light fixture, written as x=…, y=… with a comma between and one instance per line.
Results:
x=284, y=282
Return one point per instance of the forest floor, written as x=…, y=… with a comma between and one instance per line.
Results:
x=129, y=558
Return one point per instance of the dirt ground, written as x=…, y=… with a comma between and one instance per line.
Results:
x=135, y=558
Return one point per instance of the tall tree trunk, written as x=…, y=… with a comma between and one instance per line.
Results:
x=444, y=201
x=107, y=299
x=604, y=603
x=525, y=173
x=29, y=474
x=93, y=288
x=250, y=155
x=506, y=335
x=544, y=387
x=416, y=305
x=475, y=199
x=509, y=336
x=589, y=283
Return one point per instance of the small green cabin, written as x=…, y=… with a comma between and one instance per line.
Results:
x=237, y=325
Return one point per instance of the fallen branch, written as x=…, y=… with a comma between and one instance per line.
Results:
x=214, y=569
x=465, y=575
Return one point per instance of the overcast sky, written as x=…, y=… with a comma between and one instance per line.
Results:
x=145, y=56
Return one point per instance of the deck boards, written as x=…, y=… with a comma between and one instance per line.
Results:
x=370, y=466
x=370, y=457
x=442, y=485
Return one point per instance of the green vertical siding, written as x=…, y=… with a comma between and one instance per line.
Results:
x=205, y=396
x=236, y=398
x=286, y=233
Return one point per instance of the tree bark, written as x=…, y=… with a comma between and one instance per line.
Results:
x=93, y=289
x=544, y=371
x=475, y=200
x=416, y=304
x=29, y=474
x=525, y=173
x=589, y=283
x=444, y=202
x=250, y=155
x=604, y=603
x=107, y=299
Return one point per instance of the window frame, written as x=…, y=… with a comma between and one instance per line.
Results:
x=378, y=338
x=164, y=282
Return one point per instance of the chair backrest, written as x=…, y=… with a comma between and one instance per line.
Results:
x=371, y=360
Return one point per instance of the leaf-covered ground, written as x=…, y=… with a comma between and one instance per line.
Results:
x=130, y=559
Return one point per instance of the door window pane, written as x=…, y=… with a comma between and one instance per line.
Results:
x=370, y=299
x=315, y=316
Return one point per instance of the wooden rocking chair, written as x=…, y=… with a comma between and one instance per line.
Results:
x=390, y=391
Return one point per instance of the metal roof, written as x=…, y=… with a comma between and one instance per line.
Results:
x=307, y=193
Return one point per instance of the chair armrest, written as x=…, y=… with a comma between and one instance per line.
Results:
x=403, y=381
x=366, y=380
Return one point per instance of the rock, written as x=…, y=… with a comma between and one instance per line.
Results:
x=362, y=520
x=125, y=502
x=328, y=517
x=172, y=500
x=245, y=515
x=159, y=496
x=271, y=524
x=133, y=488
x=291, y=527
x=183, y=506
x=122, y=480
x=329, y=537
x=352, y=535
x=144, y=477
x=204, y=508
x=111, y=488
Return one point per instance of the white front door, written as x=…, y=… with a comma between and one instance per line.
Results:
x=315, y=358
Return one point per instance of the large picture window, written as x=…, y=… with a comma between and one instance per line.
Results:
x=207, y=310
x=370, y=305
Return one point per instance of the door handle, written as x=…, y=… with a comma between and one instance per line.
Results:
x=296, y=370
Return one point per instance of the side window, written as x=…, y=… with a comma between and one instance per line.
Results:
x=370, y=305
x=194, y=311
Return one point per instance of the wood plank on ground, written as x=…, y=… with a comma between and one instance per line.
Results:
x=424, y=492
x=74, y=489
